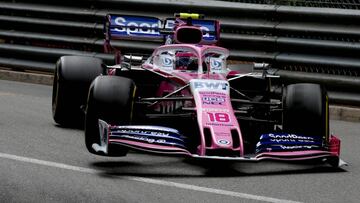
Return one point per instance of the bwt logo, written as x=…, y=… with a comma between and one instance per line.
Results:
x=167, y=62
x=215, y=64
x=134, y=27
x=211, y=85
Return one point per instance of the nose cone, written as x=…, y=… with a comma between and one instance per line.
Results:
x=220, y=129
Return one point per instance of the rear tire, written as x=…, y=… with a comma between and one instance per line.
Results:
x=111, y=98
x=72, y=78
x=306, y=110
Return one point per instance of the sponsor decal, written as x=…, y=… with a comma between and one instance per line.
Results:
x=149, y=136
x=216, y=110
x=143, y=138
x=143, y=132
x=212, y=93
x=290, y=140
x=167, y=61
x=287, y=142
x=133, y=25
x=211, y=85
x=213, y=99
x=215, y=64
x=287, y=136
x=149, y=128
x=280, y=148
x=162, y=135
x=150, y=140
x=298, y=147
x=219, y=124
x=149, y=26
x=223, y=142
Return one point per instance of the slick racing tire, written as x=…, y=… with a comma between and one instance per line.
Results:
x=72, y=78
x=306, y=110
x=111, y=99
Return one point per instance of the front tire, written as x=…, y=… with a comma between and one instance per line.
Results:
x=306, y=110
x=111, y=98
x=72, y=78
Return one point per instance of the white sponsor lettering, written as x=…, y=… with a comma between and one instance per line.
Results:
x=144, y=132
x=146, y=139
x=135, y=28
x=215, y=110
x=213, y=100
x=288, y=136
x=145, y=128
x=299, y=147
x=291, y=140
x=211, y=85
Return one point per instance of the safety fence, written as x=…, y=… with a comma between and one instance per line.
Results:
x=341, y=4
x=306, y=42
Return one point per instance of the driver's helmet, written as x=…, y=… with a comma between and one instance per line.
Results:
x=186, y=61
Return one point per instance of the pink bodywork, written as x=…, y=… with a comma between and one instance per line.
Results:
x=217, y=116
x=210, y=90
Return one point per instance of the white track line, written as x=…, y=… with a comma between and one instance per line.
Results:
x=147, y=180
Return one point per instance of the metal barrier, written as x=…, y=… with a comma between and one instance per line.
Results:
x=297, y=40
x=342, y=4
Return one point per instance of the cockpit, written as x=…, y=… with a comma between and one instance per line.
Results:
x=187, y=59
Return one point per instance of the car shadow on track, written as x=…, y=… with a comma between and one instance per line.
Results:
x=265, y=168
x=70, y=126
x=197, y=169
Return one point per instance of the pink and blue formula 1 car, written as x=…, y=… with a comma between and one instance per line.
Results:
x=184, y=100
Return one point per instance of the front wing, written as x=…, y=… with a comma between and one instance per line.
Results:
x=168, y=141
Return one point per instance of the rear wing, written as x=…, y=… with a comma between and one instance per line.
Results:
x=145, y=28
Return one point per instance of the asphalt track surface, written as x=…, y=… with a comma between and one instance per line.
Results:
x=42, y=162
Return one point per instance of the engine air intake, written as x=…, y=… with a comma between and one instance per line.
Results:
x=188, y=35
